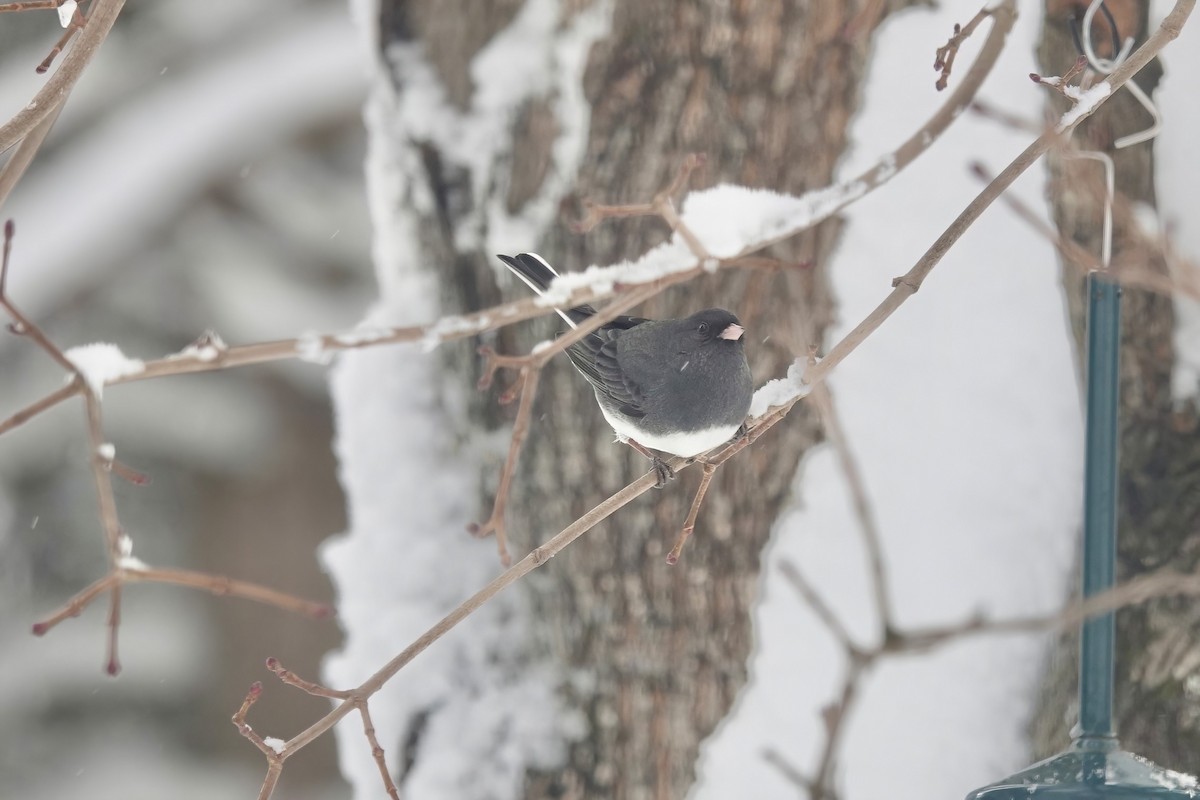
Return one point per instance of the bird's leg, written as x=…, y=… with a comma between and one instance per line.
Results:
x=661, y=468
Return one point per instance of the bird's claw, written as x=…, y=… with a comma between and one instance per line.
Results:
x=663, y=472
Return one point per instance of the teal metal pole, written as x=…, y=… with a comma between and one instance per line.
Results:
x=1100, y=505
x=1094, y=767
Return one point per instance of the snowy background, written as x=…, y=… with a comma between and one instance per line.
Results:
x=208, y=174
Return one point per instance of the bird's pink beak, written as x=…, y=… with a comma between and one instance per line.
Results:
x=732, y=332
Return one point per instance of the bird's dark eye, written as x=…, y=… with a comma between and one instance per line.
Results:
x=704, y=328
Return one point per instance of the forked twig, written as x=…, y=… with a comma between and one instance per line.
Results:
x=597, y=213
x=943, y=59
x=1062, y=84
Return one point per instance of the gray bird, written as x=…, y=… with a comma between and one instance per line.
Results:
x=679, y=386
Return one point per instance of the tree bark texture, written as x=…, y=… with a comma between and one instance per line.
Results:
x=655, y=655
x=1157, y=713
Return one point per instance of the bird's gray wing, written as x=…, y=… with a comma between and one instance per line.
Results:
x=595, y=356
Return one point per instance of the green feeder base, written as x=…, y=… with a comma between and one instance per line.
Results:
x=1093, y=768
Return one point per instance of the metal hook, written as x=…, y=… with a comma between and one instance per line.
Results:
x=1105, y=66
x=1073, y=24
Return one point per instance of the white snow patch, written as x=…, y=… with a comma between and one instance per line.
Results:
x=101, y=363
x=132, y=562
x=107, y=451
x=363, y=335
x=729, y=219
x=780, y=391
x=275, y=744
x=66, y=12
x=1087, y=100
x=450, y=326
x=310, y=346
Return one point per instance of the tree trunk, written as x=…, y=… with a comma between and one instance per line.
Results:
x=765, y=90
x=1157, y=714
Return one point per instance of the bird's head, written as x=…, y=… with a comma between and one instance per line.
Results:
x=716, y=325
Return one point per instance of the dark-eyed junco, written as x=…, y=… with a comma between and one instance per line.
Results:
x=680, y=386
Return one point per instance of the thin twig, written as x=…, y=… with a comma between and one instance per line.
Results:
x=597, y=213
x=787, y=769
x=1062, y=84
x=815, y=602
x=30, y=5
x=836, y=716
x=943, y=59
x=221, y=586
x=239, y=719
x=689, y=524
x=76, y=23
x=218, y=585
x=823, y=399
x=292, y=679
x=377, y=751
x=527, y=383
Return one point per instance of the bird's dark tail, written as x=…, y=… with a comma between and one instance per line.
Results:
x=533, y=270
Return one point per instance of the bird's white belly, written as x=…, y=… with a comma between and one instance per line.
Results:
x=679, y=444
